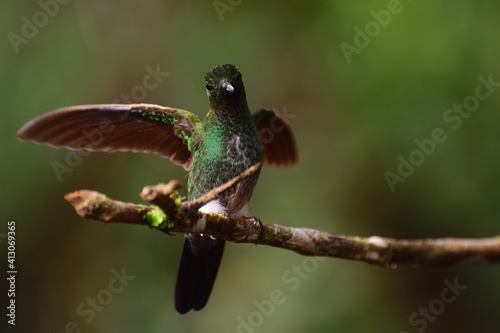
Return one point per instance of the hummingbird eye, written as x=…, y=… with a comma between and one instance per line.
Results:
x=209, y=87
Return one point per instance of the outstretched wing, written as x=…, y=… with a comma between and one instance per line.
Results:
x=117, y=127
x=277, y=139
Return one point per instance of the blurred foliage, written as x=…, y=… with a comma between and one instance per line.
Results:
x=352, y=122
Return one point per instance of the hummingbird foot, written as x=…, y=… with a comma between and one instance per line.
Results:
x=257, y=224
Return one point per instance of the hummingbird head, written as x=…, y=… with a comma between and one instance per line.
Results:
x=225, y=88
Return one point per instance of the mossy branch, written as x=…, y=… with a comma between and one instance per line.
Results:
x=170, y=214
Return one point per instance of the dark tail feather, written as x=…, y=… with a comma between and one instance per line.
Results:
x=200, y=262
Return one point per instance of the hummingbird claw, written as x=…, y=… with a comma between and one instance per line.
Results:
x=226, y=215
x=257, y=223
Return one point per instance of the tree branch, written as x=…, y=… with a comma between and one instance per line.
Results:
x=170, y=214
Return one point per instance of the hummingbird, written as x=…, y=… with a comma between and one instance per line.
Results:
x=228, y=140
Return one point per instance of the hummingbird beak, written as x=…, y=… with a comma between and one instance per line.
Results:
x=226, y=85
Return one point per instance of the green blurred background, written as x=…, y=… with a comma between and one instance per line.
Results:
x=352, y=121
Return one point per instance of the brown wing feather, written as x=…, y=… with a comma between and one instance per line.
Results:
x=117, y=127
x=277, y=139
